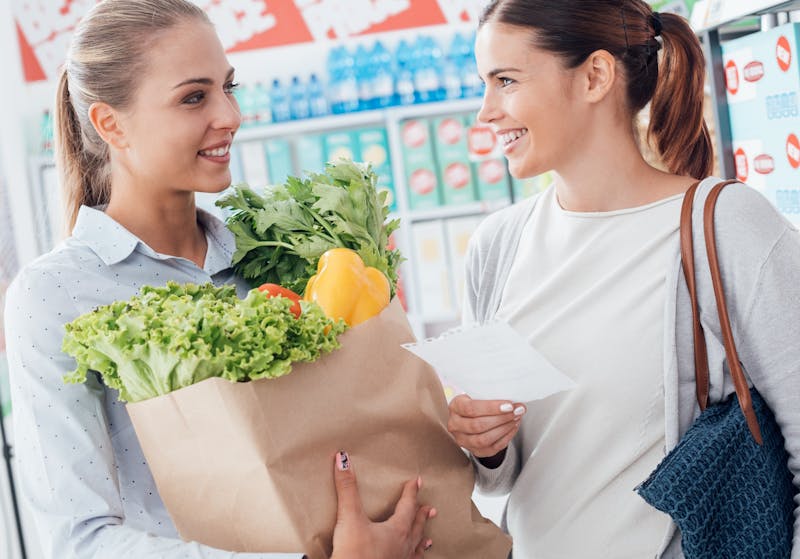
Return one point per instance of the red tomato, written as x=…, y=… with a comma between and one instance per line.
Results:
x=275, y=290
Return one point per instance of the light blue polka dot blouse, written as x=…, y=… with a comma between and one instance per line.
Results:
x=82, y=473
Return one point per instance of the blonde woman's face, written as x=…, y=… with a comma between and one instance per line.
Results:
x=184, y=116
x=528, y=100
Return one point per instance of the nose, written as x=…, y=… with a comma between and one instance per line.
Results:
x=227, y=114
x=489, y=110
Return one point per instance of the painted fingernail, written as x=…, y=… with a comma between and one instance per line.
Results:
x=342, y=461
x=428, y=544
x=419, y=482
x=505, y=408
x=432, y=513
x=519, y=411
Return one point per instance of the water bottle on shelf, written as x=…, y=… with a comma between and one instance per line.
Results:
x=348, y=85
x=436, y=61
x=426, y=78
x=383, y=76
x=279, y=98
x=404, y=89
x=364, y=77
x=260, y=105
x=298, y=100
x=317, y=102
x=244, y=98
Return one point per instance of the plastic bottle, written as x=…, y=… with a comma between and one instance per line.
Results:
x=348, y=85
x=260, y=105
x=317, y=102
x=365, y=77
x=383, y=87
x=244, y=97
x=298, y=100
x=279, y=98
x=426, y=78
x=404, y=87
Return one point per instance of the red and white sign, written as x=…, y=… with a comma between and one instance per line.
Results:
x=422, y=181
x=450, y=131
x=732, y=77
x=415, y=133
x=793, y=151
x=492, y=171
x=742, y=168
x=764, y=164
x=783, y=52
x=754, y=71
x=481, y=141
x=456, y=175
x=44, y=27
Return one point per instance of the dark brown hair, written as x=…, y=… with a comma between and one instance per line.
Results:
x=107, y=52
x=574, y=29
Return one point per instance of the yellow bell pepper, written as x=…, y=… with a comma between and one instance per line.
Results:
x=346, y=288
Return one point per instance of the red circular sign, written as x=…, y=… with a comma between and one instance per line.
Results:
x=732, y=77
x=481, y=140
x=793, y=151
x=742, y=170
x=414, y=134
x=783, y=52
x=492, y=171
x=450, y=131
x=422, y=181
x=456, y=175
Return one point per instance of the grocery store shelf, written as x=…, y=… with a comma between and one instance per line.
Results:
x=355, y=120
x=721, y=13
x=446, y=212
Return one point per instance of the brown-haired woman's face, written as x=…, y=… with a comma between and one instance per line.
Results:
x=528, y=99
x=181, y=125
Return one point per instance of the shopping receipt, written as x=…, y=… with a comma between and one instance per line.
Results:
x=491, y=362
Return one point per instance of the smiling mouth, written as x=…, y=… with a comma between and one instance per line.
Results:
x=216, y=152
x=509, y=137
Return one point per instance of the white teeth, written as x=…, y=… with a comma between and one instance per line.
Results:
x=509, y=137
x=218, y=152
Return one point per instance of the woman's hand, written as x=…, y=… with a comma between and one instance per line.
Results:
x=484, y=427
x=357, y=537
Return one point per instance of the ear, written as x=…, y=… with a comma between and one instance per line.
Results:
x=600, y=71
x=107, y=122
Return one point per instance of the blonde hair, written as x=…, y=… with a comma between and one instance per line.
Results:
x=107, y=52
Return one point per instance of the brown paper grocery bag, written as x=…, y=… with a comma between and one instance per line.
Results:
x=249, y=466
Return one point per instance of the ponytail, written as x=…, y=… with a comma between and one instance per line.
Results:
x=84, y=177
x=677, y=127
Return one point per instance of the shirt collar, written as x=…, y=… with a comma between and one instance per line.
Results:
x=113, y=243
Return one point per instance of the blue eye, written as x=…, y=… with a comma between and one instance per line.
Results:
x=505, y=81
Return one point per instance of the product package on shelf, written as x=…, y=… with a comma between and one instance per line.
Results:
x=424, y=190
x=373, y=148
x=452, y=159
x=488, y=164
x=433, y=286
x=762, y=78
x=279, y=160
x=458, y=232
x=340, y=145
x=310, y=152
x=524, y=188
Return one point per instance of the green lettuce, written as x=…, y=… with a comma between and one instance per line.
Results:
x=167, y=338
x=281, y=234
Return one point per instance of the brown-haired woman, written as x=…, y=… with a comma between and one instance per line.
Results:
x=145, y=118
x=589, y=272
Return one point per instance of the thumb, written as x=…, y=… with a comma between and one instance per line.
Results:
x=347, y=497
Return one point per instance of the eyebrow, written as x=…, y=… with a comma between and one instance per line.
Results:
x=203, y=81
x=497, y=71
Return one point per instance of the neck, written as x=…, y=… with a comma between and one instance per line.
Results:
x=165, y=221
x=607, y=172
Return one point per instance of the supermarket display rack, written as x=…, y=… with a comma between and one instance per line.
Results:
x=718, y=27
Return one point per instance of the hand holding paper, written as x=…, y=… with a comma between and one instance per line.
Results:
x=492, y=362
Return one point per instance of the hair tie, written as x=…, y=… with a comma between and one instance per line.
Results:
x=655, y=21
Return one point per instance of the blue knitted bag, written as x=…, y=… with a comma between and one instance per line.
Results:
x=726, y=484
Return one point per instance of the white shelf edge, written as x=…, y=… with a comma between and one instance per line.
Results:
x=754, y=10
